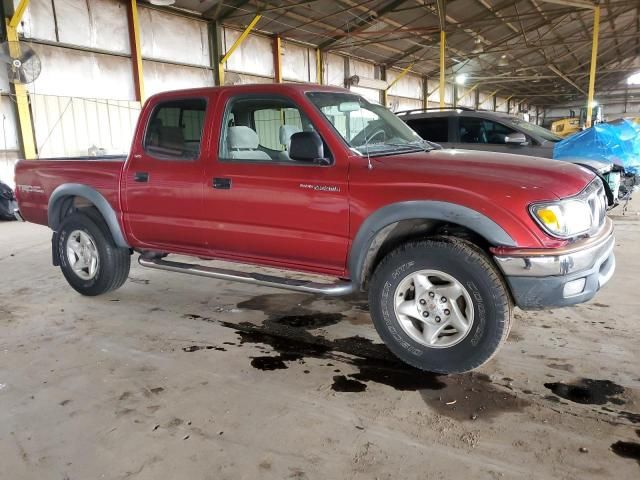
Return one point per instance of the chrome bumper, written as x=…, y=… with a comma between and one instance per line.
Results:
x=565, y=276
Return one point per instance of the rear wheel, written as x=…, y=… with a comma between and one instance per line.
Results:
x=440, y=305
x=89, y=258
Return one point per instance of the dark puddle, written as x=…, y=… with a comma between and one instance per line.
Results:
x=588, y=391
x=627, y=450
x=286, y=332
x=318, y=320
x=268, y=363
x=342, y=383
x=195, y=348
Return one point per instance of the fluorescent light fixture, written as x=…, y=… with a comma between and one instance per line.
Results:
x=461, y=78
x=594, y=104
x=633, y=79
x=162, y=3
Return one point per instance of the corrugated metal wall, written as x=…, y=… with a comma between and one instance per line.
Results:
x=84, y=96
x=70, y=126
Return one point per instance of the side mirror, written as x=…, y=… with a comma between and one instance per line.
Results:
x=307, y=147
x=516, y=139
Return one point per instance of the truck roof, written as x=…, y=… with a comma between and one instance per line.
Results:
x=251, y=87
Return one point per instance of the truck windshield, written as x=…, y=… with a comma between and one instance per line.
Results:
x=369, y=129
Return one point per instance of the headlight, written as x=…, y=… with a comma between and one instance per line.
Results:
x=564, y=218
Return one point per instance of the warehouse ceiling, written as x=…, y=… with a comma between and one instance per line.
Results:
x=538, y=49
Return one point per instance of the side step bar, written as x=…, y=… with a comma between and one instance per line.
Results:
x=333, y=289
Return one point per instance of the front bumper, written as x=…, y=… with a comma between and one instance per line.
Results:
x=557, y=278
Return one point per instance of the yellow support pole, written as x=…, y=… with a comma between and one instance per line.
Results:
x=400, y=75
x=594, y=59
x=506, y=100
x=319, y=67
x=235, y=45
x=467, y=92
x=17, y=14
x=22, y=100
x=136, y=51
x=385, y=92
x=442, y=65
x=488, y=97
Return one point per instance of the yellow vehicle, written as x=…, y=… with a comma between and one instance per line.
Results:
x=566, y=126
x=569, y=126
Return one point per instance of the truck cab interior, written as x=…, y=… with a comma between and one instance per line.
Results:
x=260, y=129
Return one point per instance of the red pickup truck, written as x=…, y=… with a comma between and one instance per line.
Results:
x=318, y=180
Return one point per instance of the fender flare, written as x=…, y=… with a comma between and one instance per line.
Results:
x=95, y=197
x=422, y=209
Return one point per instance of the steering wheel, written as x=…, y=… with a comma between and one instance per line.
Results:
x=369, y=139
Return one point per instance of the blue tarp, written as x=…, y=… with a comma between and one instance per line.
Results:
x=617, y=142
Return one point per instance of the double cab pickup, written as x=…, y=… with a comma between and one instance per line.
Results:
x=315, y=179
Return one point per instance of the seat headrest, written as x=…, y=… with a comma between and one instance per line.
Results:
x=242, y=137
x=285, y=133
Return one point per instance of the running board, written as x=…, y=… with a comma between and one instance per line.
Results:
x=333, y=289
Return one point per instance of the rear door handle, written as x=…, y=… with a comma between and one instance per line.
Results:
x=141, y=177
x=222, y=183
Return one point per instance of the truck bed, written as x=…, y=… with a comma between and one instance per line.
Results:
x=39, y=178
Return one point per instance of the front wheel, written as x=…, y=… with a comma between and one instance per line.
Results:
x=440, y=305
x=89, y=258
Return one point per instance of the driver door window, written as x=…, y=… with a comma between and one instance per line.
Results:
x=259, y=129
x=479, y=130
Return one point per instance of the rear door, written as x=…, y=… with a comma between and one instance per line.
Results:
x=435, y=129
x=262, y=206
x=163, y=181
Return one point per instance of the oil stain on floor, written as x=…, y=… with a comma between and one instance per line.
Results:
x=287, y=331
x=627, y=450
x=589, y=391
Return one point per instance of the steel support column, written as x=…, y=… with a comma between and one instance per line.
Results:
x=594, y=59
x=215, y=51
x=319, y=66
x=442, y=66
x=277, y=59
x=20, y=91
x=136, y=52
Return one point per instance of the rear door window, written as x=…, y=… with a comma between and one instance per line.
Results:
x=432, y=129
x=175, y=129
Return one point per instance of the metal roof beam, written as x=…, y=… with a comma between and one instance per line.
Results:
x=364, y=23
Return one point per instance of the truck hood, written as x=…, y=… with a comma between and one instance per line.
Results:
x=547, y=177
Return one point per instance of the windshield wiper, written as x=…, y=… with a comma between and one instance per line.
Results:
x=424, y=145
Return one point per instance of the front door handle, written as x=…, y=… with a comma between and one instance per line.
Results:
x=222, y=183
x=141, y=177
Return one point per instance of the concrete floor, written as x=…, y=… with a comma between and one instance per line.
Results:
x=178, y=377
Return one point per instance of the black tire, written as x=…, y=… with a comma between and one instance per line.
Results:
x=6, y=212
x=469, y=266
x=114, y=262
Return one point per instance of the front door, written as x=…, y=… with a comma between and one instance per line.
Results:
x=163, y=181
x=476, y=133
x=262, y=205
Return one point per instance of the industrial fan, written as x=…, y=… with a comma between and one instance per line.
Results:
x=22, y=62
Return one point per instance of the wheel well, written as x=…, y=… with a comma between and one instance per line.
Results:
x=69, y=204
x=395, y=234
